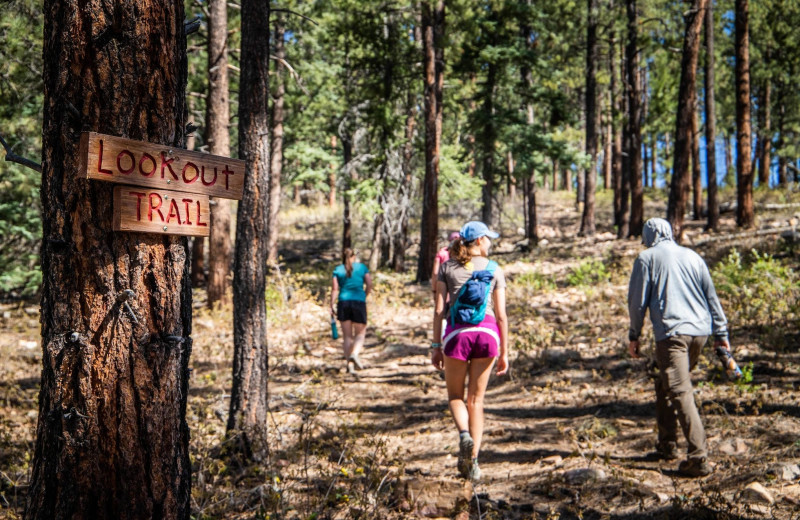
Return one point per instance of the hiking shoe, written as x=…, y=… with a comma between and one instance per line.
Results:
x=667, y=450
x=475, y=472
x=465, y=464
x=356, y=362
x=694, y=468
x=350, y=367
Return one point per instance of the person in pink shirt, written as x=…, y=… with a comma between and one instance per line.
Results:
x=441, y=257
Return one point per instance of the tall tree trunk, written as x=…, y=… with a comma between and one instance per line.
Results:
x=112, y=440
x=488, y=138
x=616, y=151
x=783, y=161
x=645, y=164
x=635, y=112
x=332, y=175
x=247, y=420
x=697, y=181
x=607, y=153
x=766, y=135
x=653, y=160
x=668, y=168
x=687, y=94
x=555, y=174
x=711, y=121
x=728, y=158
x=429, y=226
x=587, y=221
x=625, y=179
x=745, y=215
x=399, y=256
x=218, y=139
x=531, y=217
x=347, y=156
x=276, y=155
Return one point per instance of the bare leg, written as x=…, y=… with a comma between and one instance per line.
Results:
x=347, y=341
x=455, y=375
x=479, y=371
x=359, y=333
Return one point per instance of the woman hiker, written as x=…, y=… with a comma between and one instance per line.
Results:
x=476, y=335
x=350, y=287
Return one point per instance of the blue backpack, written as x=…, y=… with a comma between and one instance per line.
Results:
x=470, y=302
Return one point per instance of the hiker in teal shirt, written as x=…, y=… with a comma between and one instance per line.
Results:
x=350, y=287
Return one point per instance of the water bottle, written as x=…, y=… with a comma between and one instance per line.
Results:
x=731, y=368
x=334, y=330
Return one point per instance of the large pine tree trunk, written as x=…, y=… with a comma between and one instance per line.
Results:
x=687, y=93
x=587, y=220
x=276, y=157
x=635, y=121
x=247, y=420
x=429, y=227
x=218, y=138
x=745, y=215
x=112, y=440
x=711, y=121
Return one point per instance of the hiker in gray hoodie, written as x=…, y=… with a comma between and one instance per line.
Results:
x=674, y=283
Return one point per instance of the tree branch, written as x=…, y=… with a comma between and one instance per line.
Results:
x=294, y=73
x=296, y=14
x=12, y=157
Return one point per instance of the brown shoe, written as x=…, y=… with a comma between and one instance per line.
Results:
x=694, y=468
x=667, y=450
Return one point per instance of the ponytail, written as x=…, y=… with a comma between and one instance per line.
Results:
x=347, y=259
x=459, y=251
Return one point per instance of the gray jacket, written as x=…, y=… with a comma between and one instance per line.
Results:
x=674, y=283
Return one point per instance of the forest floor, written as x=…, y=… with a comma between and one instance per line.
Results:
x=568, y=431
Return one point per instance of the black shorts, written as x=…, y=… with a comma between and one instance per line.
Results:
x=351, y=310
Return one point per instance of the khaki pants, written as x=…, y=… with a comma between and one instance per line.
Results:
x=676, y=356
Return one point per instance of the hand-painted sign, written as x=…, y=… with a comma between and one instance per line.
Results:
x=160, y=211
x=125, y=161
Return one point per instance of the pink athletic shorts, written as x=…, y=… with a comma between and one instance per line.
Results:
x=467, y=341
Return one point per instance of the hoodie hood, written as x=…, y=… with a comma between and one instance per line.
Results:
x=656, y=230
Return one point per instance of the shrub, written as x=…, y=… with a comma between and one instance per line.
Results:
x=588, y=272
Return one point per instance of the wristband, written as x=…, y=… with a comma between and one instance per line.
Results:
x=435, y=345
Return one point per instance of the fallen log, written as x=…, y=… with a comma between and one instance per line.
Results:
x=745, y=234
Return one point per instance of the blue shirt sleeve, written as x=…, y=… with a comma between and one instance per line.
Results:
x=638, y=298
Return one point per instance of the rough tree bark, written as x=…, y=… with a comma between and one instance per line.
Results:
x=332, y=175
x=587, y=221
x=429, y=227
x=634, y=150
x=687, y=93
x=531, y=218
x=625, y=177
x=745, y=215
x=276, y=152
x=783, y=161
x=218, y=139
x=247, y=419
x=711, y=121
x=112, y=439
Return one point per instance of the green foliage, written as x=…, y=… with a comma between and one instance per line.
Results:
x=535, y=281
x=587, y=273
x=758, y=291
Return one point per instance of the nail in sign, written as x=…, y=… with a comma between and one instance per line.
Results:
x=160, y=211
x=125, y=161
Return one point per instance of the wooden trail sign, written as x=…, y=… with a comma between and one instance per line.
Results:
x=125, y=161
x=160, y=211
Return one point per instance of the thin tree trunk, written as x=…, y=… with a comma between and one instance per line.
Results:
x=728, y=157
x=687, y=93
x=625, y=178
x=766, y=136
x=332, y=175
x=487, y=144
x=247, y=419
x=555, y=174
x=276, y=153
x=112, y=440
x=429, y=226
x=711, y=121
x=399, y=256
x=347, y=156
x=607, y=142
x=645, y=165
x=635, y=111
x=616, y=151
x=653, y=160
x=697, y=181
x=218, y=139
x=783, y=173
x=745, y=215
x=587, y=221
x=668, y=169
